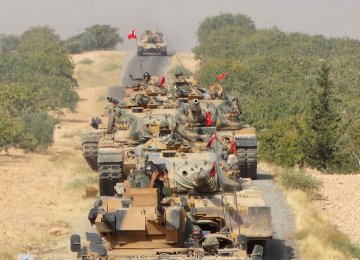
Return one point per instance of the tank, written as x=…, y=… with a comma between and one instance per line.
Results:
x=196, y=169
x=128, y=128
x=152, y=43
x=108, y=148
x=235, y=137
x=218, y=112
x=139, y=226
x=207, y=216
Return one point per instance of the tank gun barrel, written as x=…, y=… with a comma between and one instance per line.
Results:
x=113, y=100
x=196, y=109
x=197, y=112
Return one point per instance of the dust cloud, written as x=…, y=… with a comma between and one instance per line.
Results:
x=179, y=19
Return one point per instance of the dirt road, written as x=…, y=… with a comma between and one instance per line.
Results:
x=281, y=246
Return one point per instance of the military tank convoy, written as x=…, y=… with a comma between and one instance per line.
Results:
x=175, y=166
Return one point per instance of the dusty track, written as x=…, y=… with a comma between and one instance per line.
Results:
x=281, y=246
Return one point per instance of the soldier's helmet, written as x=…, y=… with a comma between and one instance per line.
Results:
x=196, y=228
x=147, y=76
x=150, y=167
x=232, y=159
x=164, y=124
x=210, y=241
x=214, y=95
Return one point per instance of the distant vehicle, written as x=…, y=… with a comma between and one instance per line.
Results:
x=152, y=43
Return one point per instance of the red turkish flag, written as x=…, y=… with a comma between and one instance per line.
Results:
x=209, y=121
x=132, y=34
x=212, y=139
x=162, y=81
x=213, y=170
x=233, y=146
x=221, y=76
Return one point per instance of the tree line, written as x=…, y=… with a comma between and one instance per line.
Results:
x=36, y=77
x=301, y=92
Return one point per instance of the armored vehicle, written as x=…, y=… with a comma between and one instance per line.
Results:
x=207, y=116
x=193, y=167
x=141, y=95
x=152, y=43
x=128, y=128
x=202, y=212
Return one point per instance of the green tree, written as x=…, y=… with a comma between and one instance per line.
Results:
x=39, y=131
x=34, y=77
x=321, y=140
x=221, y=22
x=281, y=144
x=8, y=43
x=272, y=72
x=96, y=37
x=41, y=66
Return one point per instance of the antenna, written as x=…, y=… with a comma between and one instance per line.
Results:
x=137, y=47
x=142, y=71
x=184, y=70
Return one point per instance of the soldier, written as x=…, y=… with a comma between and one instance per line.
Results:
x=236, y=107
x=150, y=176
x=195, y=236
x=211, y=245
x=159, y=176
x=147, y=77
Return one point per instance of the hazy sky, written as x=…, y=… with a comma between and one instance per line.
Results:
x=179, y=19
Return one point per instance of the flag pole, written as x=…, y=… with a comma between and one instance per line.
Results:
x=132, y=35
x=142, y=71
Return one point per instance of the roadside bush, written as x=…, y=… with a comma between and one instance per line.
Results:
x=347, y=247
x=86, y=61
x=292, y=180
x=10, y=130
x=38, y=131
x=281, y=143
